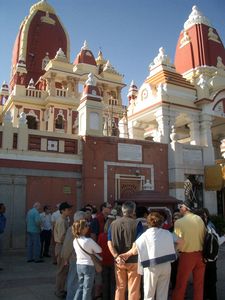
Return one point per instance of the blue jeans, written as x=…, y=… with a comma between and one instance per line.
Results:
x=72, y=280
x=86, y=276
x=33, y=246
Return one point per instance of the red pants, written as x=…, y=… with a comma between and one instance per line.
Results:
x=190, y=262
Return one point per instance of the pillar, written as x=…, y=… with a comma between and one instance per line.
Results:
x=7, y=135
x=194, y=131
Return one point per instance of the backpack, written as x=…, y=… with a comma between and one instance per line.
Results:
x=210, y=246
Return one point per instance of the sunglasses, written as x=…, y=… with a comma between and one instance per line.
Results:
x=179, y=206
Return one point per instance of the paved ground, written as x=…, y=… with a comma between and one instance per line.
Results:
x=29, y=281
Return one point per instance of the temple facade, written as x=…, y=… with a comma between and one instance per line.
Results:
x=66, y=136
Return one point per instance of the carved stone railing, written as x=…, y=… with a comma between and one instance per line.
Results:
x=33, y=93
x=61, y=93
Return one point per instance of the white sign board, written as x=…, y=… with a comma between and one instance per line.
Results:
x=130, y=152
x=192, y=156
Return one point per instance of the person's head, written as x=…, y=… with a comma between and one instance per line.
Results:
x=141, y=212
x=185, y=207
x=80, y=228
x=37, y=205
x=2, y=208
x=47, y=209
x=128, y=209
x=155, y=219
x=206, y=214
x=176, y=215
x=65, y=209
x=94, y=210
x=88, y=207
x=79, y=215
x=105, y=208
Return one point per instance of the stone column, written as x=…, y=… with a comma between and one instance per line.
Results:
x=208, y=159
x=119, y=95
x=42, y=120
x=7, y=135
x=22, y=141
x=206, y=139
x=163, y=127
x=75, y=86
x=222, y=148
x=176, y=173
x=194, y=131
x=135, y=131
x=210, y=201
x=105, y=100
x=205, y=130
x=69, y=86
x=123, y=127
x=69, y=121
x=51, y=118
x=52, y=85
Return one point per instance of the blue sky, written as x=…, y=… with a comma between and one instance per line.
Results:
x=129, y=32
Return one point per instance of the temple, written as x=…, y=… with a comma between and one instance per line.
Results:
x=66, y=136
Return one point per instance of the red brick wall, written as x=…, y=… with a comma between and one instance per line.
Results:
x=50, y=191
x=96, y=150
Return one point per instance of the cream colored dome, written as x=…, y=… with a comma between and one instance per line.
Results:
x=43, y=6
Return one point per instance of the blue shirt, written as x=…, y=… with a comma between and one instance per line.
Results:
x=2, y=223
x=33, y=221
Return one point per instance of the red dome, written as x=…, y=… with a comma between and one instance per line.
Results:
x=91, y=90
x=40, y=32
x=198, y=45
x=85, y=57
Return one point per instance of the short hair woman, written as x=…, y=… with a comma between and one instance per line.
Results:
x=155, y=248
x=85, y=266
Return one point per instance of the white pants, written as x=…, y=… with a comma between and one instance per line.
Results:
x=156, y=282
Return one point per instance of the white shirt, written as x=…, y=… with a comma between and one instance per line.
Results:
x=55, y=216
x=90, y=246
x=46, y=223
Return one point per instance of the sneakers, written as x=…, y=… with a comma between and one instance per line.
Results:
x=61, y=295
x=39, y=261
x=30, y=260
x=47, y=255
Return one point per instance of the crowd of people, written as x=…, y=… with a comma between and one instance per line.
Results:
x=143, y=253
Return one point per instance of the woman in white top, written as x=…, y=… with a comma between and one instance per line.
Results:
x=85, y=265
x=155, y=248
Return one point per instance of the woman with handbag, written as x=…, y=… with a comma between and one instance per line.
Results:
x=85, y=248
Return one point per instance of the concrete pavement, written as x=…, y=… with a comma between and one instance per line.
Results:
x=30, y=281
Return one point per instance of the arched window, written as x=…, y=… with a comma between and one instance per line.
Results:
x=59, y=122
x=45, y=61
x=32, y=122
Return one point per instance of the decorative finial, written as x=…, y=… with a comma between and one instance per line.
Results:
x=161, y=58
x=147, y=186
x=60, y=55
x=31, y=84
x=8, y=117
x=196, y=17
x=23, y=119
x=90, y=80
x=85, y=46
